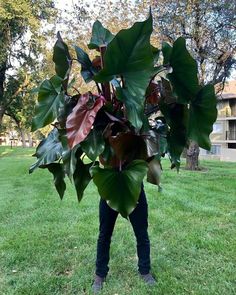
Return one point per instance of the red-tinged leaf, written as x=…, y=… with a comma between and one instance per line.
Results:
x=80, y=121
x=153, y=95
x=128, y=146
x=154, y=172
x=96, y=62
x=152, y=140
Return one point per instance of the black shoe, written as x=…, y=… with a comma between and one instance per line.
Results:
x=97, y=284
x=148, y=279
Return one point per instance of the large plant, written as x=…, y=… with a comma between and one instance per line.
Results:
x=116, y=125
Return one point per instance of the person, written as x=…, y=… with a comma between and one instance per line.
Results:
x=139, y=221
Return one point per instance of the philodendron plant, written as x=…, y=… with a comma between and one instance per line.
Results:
x=148, y=103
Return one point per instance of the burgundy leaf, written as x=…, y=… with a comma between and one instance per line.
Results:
x=128, y=146
x=80, y=121
x=154, y=172
x=153, y=95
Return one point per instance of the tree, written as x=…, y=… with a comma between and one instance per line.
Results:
x=21, y=91
x=21, y=42
x=22, y=106
x=209, y=30
x=132, y=82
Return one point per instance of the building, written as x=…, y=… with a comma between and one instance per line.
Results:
x=223, y=136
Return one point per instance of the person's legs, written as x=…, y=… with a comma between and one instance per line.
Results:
x=107, y=219
x=139, y=221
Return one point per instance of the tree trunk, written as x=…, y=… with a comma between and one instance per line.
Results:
x=21, y=130
x=3, y=67
x=192, y=162
x=30, y=139
x=22, y=134
x=2, y=111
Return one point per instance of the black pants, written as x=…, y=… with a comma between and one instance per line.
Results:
x=139, y=221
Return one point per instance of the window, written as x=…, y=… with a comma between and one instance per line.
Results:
x=215, y=150
x=217, y=128
x=232, y=145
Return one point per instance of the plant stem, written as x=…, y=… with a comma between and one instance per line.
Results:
x=98, y=88
x=76, y=89
x=106, y=86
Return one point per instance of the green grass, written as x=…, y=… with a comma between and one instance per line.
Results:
x=49, y=247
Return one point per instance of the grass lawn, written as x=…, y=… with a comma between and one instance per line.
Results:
x=48, y=246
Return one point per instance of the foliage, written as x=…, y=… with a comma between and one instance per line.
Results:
x=209, y=30
x=133, y=82
x=22, y=42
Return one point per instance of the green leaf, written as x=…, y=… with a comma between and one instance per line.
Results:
x=100, y=36
x=176, y=116
x=87, y=69
x=121, y=189
x=203, y=113
x=93, y=145
x=58, y=174
x=81, y=178
x=48, y=151
x=61, y=57
x=69, y=158
x=50, y=100
x=134, y=107
x=184, y=75
x=129, y=54
x=166, y=51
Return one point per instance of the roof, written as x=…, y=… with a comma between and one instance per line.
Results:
x=229, y=91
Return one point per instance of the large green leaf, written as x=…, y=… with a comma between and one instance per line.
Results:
x=176, y=116
x=134, y=107
x=166, y=51
x=50, y=100
x=184, y=75
x=93, y=145
x=81, y=178
x=129, y=54
x=61, y=57
x=48, y=151
x=87, y=69
x=58, y=174
x=121, y=189
x=100, y=36
x=69, y=158
x=203, y=113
